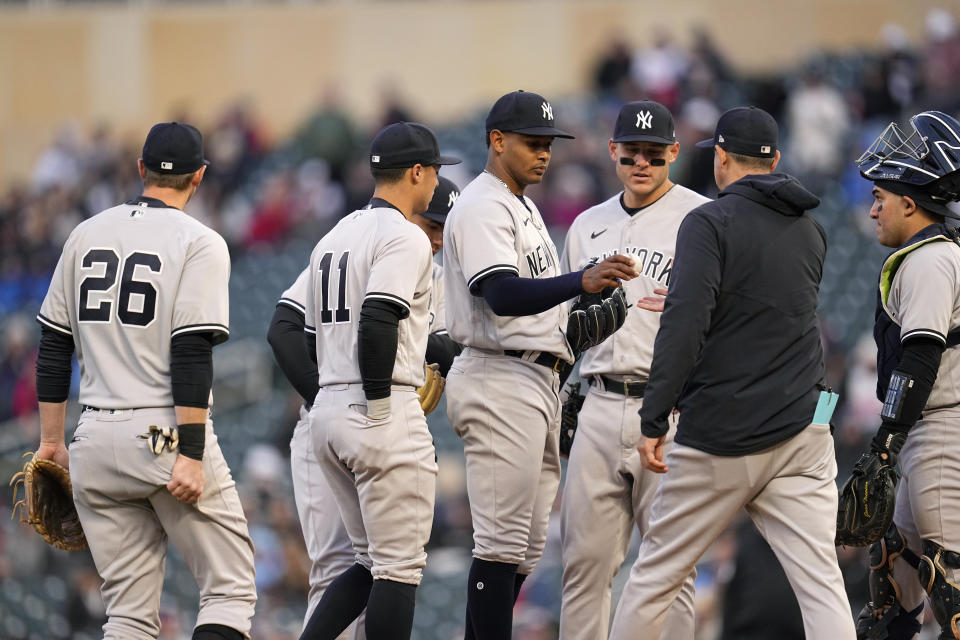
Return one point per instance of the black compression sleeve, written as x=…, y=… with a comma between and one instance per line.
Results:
x=191, y=369
x=377, y=346
x=441, y=349
x=510, y=295
x=289, y=344
x=919, y=362
x=54, y=365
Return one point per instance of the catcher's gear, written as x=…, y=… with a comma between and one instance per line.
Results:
x=884, y=616
x=432, y=388
x=944, y=593
x=595, y=317
x=925, y=156
x=867, y=501
x=569, y=417
x=47, y=503
x=159, y=437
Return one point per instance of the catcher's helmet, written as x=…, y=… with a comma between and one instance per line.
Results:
x=927, y=156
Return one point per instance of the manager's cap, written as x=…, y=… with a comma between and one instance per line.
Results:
x=524, y=112
x=749, y=131
x=443, y=198
x=174, y=148
x=405, y=144
x=645, y=121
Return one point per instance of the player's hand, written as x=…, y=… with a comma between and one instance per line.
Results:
x=608, y=273
x=651, y=454
x=187, y=479
x=56, y=452
x=653, y=303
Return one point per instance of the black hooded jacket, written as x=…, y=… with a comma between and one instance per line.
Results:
x=738, y=351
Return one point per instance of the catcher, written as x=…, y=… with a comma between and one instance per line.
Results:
x=917, y=331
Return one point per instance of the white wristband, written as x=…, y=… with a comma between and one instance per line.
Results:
x=378, y=409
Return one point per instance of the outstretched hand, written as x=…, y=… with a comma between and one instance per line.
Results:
x=653, y=303
x=608, y=273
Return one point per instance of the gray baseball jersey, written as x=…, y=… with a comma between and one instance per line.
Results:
x=649, y=236
x=490, y=230
x=924, y=299
x=117, y=291
x=438, y=307
x=371, y=254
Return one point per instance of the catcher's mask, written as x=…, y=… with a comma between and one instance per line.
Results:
x=925, y=158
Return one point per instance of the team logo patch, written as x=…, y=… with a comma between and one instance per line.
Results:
x=374, y=158
x=764, y=149
x=166, y=165
x=644, y=120
x=453, y=198
x=547, y=111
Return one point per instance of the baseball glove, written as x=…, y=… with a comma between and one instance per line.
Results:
x=47, y=504
x=867, y=500
x=569, y=418
x=432, y=388
x=595, y=317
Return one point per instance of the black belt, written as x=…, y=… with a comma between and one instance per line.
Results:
x=548, y=360
x=630, y=389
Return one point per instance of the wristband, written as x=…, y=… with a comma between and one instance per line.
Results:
x=192, y=437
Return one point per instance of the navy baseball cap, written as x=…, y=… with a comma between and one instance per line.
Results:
x=173, y=148
x=524, y=112
x=645, y=121
x=443, y=198
x=749, y=131
x=405, y=144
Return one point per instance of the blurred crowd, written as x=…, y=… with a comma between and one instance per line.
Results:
x=260, y=193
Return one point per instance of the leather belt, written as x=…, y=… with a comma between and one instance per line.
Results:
x=544, y=359
x=630, y=389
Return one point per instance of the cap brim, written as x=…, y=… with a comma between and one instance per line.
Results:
x=449, y=160
x=436, y=217
x=643, y=138
x=709, y=143
x=543, y=131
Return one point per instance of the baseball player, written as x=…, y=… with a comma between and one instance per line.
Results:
x=607, y=490
x=738, y=352
x=367, y=311
x=328, y=544
x=917, y=330
x=140, y=292
x=505, y=298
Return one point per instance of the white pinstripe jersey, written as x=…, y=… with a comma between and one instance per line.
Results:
x=372, y=254
x=490, y=230
x=129, y=279
x=650, y=237
x=925, y=301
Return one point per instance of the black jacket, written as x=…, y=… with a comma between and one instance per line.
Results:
x=738, y=351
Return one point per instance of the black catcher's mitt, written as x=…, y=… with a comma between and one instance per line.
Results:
x=867, y=501
x=569, y=418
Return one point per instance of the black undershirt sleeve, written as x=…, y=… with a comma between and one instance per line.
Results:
x=377, y=346
x=441, y=349
x=510, y=295
x=919, y=360
x=54, y=365
x=191, y=369
x=289, y=343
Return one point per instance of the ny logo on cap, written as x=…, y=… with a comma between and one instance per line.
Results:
x=453, y=198
x=547, y=111
x=720, y=138
x=644, y=120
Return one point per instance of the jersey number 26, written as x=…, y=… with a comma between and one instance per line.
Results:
x=129, y=287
